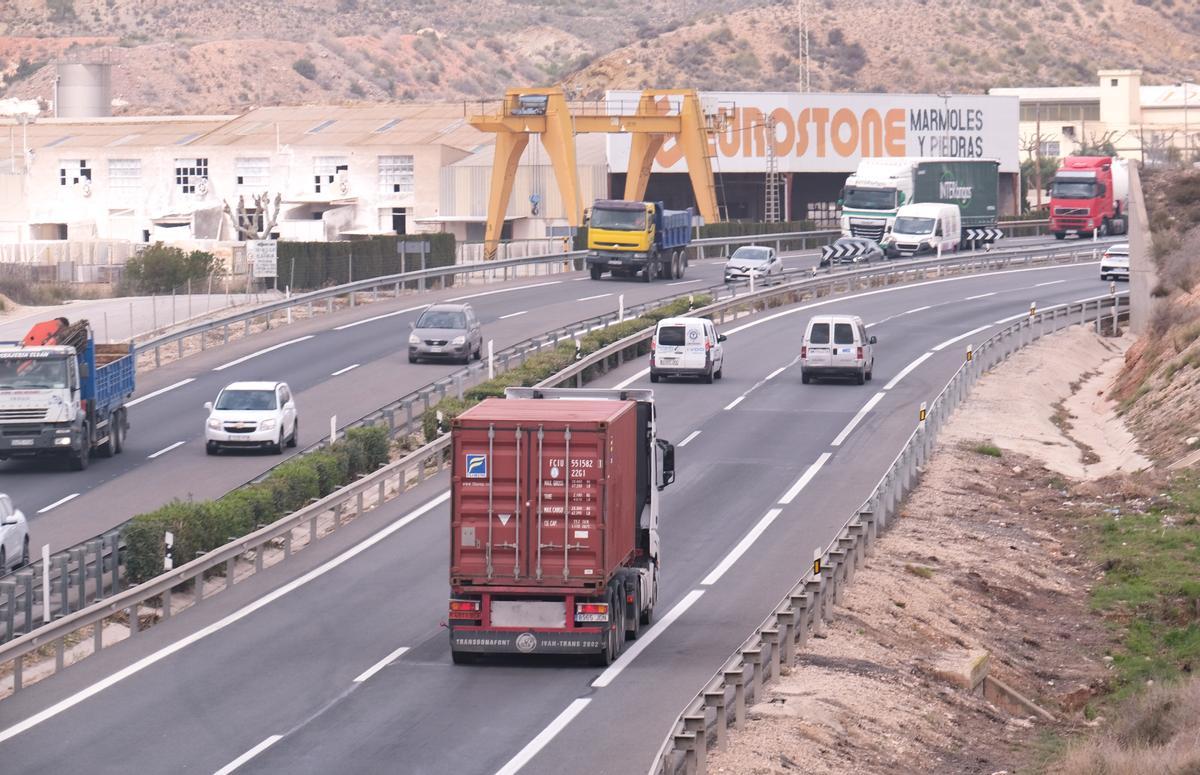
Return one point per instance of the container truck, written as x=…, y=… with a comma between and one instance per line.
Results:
x=1090, y=193
x=632, y=238
x=882, y=185
x=554, y=544
x=62, y=395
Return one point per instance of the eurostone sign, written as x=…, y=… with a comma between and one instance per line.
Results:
x=832, y=132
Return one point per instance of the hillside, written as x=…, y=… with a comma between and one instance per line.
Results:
x=221, y=56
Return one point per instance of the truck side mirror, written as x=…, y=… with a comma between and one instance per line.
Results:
x=872, y=340
x=208, y=405
x=667, y=473
x=721, y=337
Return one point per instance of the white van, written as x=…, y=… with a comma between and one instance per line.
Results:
x=923, y=228
x=686, y=347
x=837, y=346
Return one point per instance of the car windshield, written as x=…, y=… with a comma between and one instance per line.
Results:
x=819, y=334
x=31, y=374
x=910, y=225
x=1073, y=189
x=672, y=336
x=870, y=198
x=442, y=319
x=843, y=333
x=757, y=255
x=621, y=220
x=247, y=400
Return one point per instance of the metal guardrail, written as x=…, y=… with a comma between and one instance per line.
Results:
x=217, y=332
x=806, y=609
x=91, y=571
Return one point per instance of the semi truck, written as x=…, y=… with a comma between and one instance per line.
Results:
x=637, y=238
x=880, y=186
x=64, y=396
x=1090, y=193
x=554, y=545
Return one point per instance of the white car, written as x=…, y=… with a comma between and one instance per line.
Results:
x=748, y=261
x=1115, y=263
x=14, y=536
x=687, y=347
x=252, y=414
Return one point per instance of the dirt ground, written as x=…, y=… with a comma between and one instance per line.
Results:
x=985, y=557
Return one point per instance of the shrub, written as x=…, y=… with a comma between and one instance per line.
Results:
x=305, y=68
x=161, y=268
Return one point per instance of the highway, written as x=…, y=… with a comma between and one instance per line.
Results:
x=336, y=661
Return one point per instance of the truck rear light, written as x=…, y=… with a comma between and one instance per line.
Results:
x=803, y=352
x=465, y=609
x=591, y=612
x=653, y=345
x=860, y=353
x=707, y=344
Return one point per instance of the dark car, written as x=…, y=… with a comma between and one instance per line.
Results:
x=856, y=249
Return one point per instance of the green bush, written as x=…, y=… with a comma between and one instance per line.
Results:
x=203, y=526
x=161, y=268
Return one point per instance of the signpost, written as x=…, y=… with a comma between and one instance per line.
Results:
x=263, y=257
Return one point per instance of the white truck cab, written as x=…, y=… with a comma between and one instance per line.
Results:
x=924, y=228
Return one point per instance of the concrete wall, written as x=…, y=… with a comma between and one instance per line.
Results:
x=1143, y=277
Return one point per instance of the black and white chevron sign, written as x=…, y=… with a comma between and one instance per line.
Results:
x=984, y=235
x=832, y=253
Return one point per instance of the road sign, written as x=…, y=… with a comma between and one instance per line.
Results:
x=983, y=234
x=263, y=256
x=831, y=253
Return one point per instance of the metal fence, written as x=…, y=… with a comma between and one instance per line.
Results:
x=808, y=607
x=89, y=576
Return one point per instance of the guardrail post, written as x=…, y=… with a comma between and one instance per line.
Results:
x=737, y=677
x=771, y=634
x=95, y=549
x=135, y=625
x=9, y=591
x=696, y=725
x=786, y=620
x=166, y=603
x=25, y=580
x=114, y=559
x=754, y=657
x=800, y=605
x=716, y=700
x=230, y=572
x=63, y=581
x=867, y=519
x=686, y=742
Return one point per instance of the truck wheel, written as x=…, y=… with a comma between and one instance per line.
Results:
x=119, y=433
x=683, y=262
x=79, y=460
x=648, y=275
x=595, y=269
x=1060, y=235
x=1104, y=228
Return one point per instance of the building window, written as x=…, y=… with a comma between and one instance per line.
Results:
x=1051, y=148
x=1113, y=82
x=253, y=172
x=72, y=172
x=189, y=173
x=1060, y=111
x=395, y=175
x=325, y=171
x=124, y=176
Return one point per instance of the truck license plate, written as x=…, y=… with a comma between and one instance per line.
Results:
x=612, y=261
x=670, y=361
x=22, y=442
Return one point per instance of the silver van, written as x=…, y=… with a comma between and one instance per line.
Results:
x=837, y=346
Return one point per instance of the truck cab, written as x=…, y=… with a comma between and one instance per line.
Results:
x=637, y=238
x=924, y=228
x=1090, y=194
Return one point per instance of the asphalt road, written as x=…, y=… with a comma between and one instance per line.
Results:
x=312, y=677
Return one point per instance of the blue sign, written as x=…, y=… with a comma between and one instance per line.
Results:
x=476, y=466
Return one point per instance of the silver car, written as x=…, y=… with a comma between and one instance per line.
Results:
x=14, y=536
x=446, y=331
x=761, y=262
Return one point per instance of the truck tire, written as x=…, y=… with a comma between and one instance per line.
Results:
x=707, y=378
x=595, y=270
x=683, y=262
x=119, y=433
x=647, y=616
x=1104, y=228
x=654, y=375
x=79, y=460
x=648, y=275
x=1060, y=235
x=106, y=449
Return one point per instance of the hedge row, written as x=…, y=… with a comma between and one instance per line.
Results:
x=545, y=364
x=746, y=228
x=201, y=526
x=321, y=264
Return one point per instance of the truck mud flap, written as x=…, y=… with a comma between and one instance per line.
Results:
x=527, y=642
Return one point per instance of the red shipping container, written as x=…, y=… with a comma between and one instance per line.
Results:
x=543, y=493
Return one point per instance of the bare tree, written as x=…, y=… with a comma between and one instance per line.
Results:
x=1158, y=146
x=1031, y=146
x=257, y=222
x=1104, y=144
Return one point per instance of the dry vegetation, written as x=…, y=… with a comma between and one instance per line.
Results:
x=215, y=56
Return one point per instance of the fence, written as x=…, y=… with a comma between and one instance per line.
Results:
x=88, y=577
x=807, y=608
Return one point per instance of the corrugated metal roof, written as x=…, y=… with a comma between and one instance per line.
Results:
x=1050, y=93
x=590, y=149
x=66, y=133
x=350, y=125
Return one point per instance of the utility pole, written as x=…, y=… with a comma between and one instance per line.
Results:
x=1037, y=153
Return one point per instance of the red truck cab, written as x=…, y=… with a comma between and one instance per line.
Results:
x=1090, y=194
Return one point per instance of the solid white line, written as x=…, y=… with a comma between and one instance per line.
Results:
x=1010, y=319
x=775, y=373
x=70, y=497
x=1052, y=282
x=381, y=664
x=263, y=351
x=379, y=317
x=929, y=306
x=597, y=296
x=683, y=443
x=856, y=420
x=741, y=548
x=242, y=613
x=543, y=738
x=734, y=402
x=981, y=296
x=684, y=282
x=892, y=289
x=807, y=477
x=904, y=372
x=248, y=755
x=514, y=314
x=646, y=638
x=627, y=382
x=159, y=392
x=505, y=290
x=959, y=338
x=165, y=450
x=340, y=372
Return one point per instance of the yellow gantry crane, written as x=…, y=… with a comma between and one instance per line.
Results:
x=547, y=113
